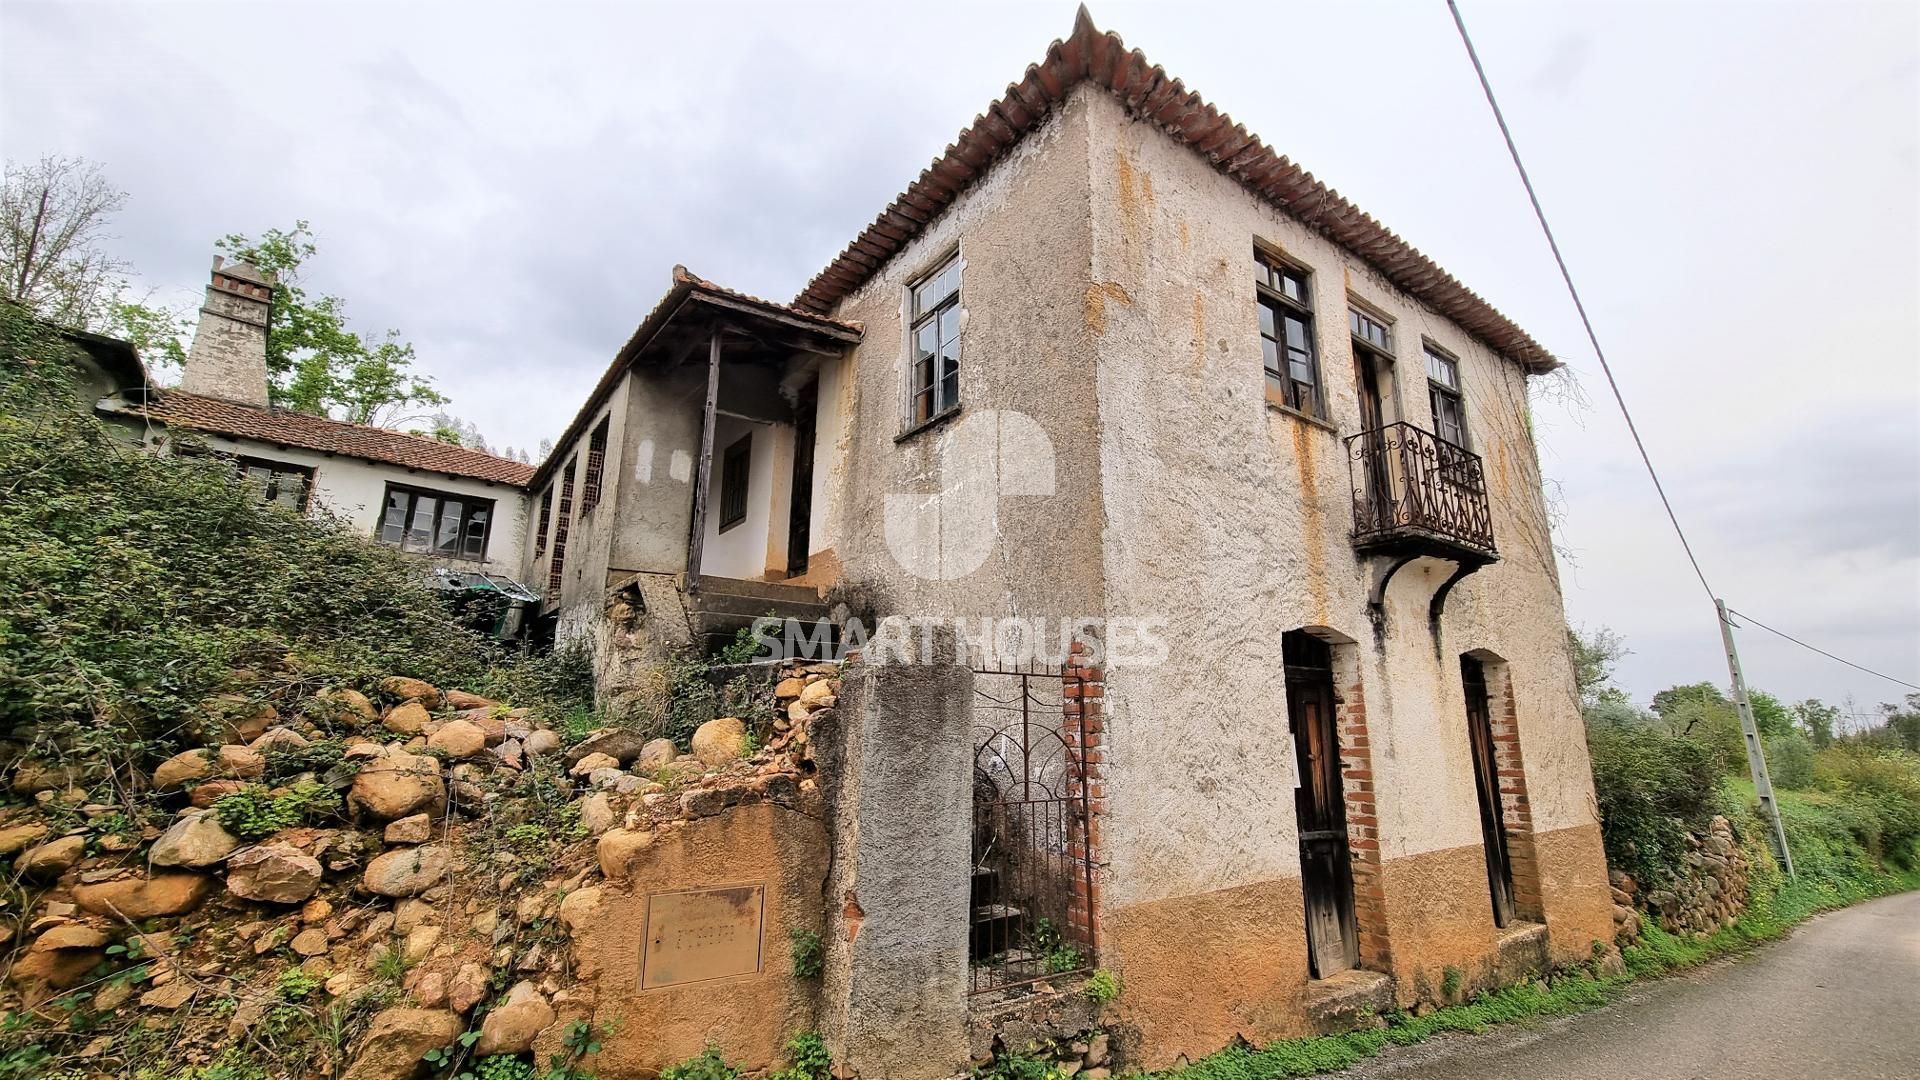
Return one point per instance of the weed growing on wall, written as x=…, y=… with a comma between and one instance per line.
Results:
x=809, y=955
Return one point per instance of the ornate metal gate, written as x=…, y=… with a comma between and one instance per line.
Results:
x=1032, y=915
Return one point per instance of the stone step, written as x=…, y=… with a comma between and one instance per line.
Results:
x=769, y=591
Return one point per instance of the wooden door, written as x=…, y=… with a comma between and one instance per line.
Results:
x=800, y=513
x=1326, y=874
x=1486, y=781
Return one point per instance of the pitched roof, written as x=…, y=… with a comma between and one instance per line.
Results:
x=221, y=417
x=1150, y=94
x=685, y=284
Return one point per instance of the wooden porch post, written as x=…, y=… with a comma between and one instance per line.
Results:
x=701, y=474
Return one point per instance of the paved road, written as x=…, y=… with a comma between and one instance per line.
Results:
x=1839, y=1000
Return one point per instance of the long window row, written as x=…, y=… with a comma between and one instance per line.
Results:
x=1294, y=371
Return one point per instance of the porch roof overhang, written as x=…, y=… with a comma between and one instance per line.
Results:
x=684, y=321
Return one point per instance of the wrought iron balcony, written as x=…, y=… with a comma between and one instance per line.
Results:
x=1418, y=494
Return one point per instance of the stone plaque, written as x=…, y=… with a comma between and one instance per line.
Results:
x=702, y=934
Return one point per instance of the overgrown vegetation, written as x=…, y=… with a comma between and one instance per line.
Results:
x=809, y=954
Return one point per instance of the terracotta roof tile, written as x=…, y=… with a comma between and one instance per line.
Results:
x=1150, y=94
x=221, y=417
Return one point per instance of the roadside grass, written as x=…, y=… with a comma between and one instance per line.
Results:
x=1835, y=870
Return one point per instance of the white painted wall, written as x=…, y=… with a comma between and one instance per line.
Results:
x=356, y=490
x=744, y=550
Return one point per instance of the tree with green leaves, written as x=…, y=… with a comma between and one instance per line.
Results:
x=315, y=363
x=1595, y=652
x=1818, y=720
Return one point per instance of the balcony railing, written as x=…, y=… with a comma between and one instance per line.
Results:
x=1413, y=488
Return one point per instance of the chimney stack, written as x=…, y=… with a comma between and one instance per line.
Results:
x=229, y=354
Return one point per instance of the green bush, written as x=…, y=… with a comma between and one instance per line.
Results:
x=807, y=1059
x=136, y=582
x=809, y=954
x=708, y=1066
x=1790, y=760
x=253, y=813
x=1652, y=787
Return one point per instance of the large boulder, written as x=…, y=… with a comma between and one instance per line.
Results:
x=540, y=742
x=240, y=762
x=48, y=861
x=273, y=874
x=467, y=987
x=415, y=829
x=408, y=871
x=577, y=908
x=460, y=699
x=182, y=769
x=34, y=777
x=401, y=688
x=61, y=958
x=718, y=742
x=617, y=850
x=592, y=763
x=280, y=738
x=620, y=744
x=397, y=1040
x=512, y=1027
x=407, y=718
x=194, y=842
x=459, y=738
x=396, y=784
x=657, y=754
x=21, y=837
x=145, y=897
x=354, y=701
x=597, y=814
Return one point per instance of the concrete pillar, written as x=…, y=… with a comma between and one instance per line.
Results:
x=897, y=761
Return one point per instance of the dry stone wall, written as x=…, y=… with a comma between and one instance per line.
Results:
x=1707, y=894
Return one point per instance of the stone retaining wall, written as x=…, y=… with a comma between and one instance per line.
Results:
x=1708, y=893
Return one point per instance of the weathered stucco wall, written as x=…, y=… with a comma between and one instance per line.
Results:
x=356, y=490
x=1210, y=493
x=748, y=1016
x=1022, y=237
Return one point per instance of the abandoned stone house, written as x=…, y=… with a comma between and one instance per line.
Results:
x=1359, y=773
x=1110, y=357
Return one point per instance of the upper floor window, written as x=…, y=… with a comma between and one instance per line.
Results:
x=734, y=470
x=1286, y=335
x=277, y=481
x=1369, y=330
x=935, y=334
x=436, y=523
x=1443, y=392
x=596, y=468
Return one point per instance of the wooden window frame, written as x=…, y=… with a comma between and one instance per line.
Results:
x=929, y=398
x=596, y=468
x=469, y=504
x=1437, y=390
x=1282, y=388
x=736, y=481
x=243, y=462
x=1358, y=318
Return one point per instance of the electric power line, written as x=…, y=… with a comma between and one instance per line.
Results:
x=1566, y=276
x=1821, y=651
x=1540, y=215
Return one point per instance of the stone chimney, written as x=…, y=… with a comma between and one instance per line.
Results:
x=229, y=354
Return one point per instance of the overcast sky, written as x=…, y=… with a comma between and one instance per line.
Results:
x=1735, y=185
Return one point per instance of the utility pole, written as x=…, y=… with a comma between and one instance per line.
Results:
x=1756, y=757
